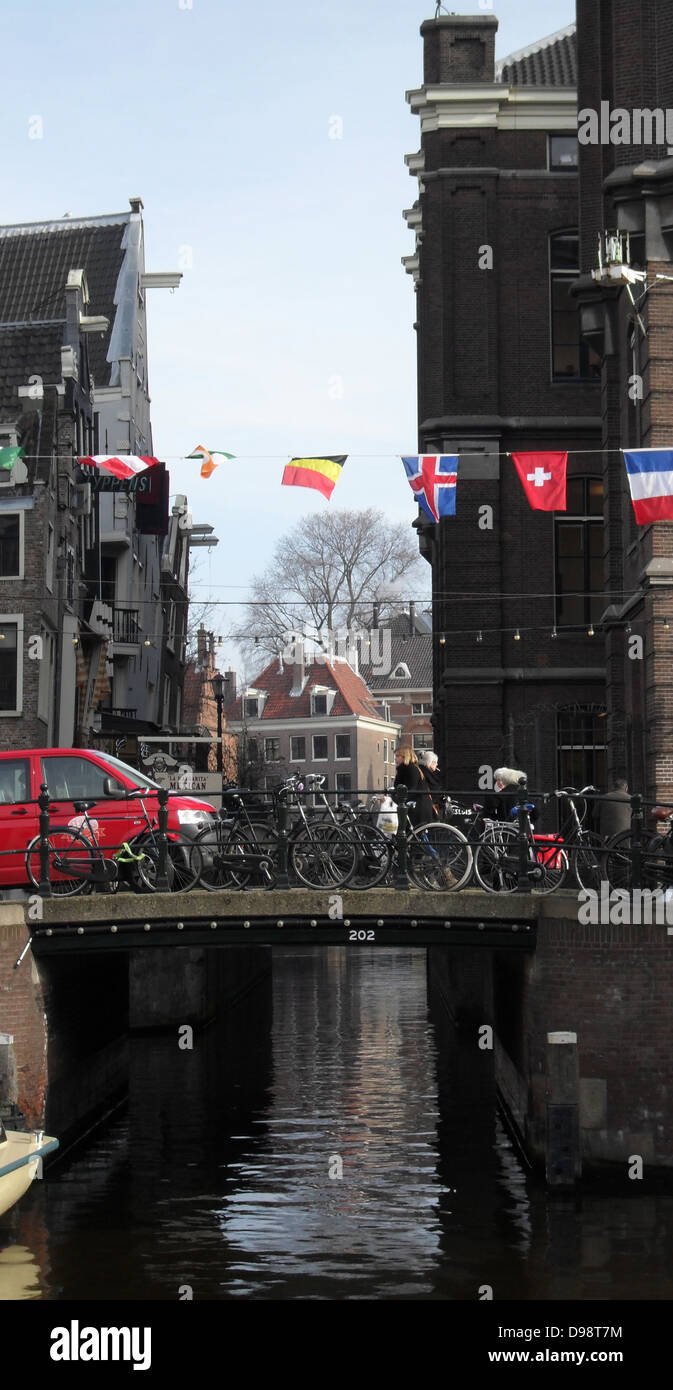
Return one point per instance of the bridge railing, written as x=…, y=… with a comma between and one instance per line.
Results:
x=466, y=810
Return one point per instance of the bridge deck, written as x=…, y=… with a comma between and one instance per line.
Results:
x=381, y=917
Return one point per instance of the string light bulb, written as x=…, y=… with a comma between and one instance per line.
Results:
x=442, y=641
x=75, y=641
x=479, y=637
x=147, y=642
x=553, y=634
x=590, y=631
x=666, y=624
x=517, y=636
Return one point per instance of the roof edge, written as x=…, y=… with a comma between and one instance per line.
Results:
x=534, y=47
x=60, y=224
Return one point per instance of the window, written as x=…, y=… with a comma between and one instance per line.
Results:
x=319, y=747
x=45, y=688
x=251, y=707
x=343, y=781
x=14, y=781
x=72, y=778
x=571, y=359
x=271, y=750
x=579, y=555
x=421, y=707
x=343, y=746
x=422, y=741
x=385, y=750
x=11, y=545
x=319, y=704
x=252, y=750
x=563, y=153
x=581, y=747
x=297, y=750
x=11, y=666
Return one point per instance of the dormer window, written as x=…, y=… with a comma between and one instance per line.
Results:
x=251, y=707
x=319, y=704
x=322, y=700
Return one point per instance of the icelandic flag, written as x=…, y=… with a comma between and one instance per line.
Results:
x=650, y=475
x=432, y=479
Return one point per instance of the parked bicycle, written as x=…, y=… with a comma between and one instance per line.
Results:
x=77, y=864
x=656, y=854
x=497, y=857
x=237, y=850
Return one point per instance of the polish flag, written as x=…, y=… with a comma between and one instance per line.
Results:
x=543, y=478
x=126, y=466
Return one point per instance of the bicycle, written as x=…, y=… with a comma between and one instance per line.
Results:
x=586, y=849
x=656, y=863
x=496, y=858
x=77, y=863
x=236, y=849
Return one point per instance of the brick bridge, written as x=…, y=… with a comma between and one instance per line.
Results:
x=575, y=1019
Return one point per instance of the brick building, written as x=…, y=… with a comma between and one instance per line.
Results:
x=406, y=684
x=501, y=367
x=626, y=61
x=303, y=716
x=200, y=709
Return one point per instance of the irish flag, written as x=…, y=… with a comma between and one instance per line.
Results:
x=650, y=475
x=208, y=458
x=124, y=466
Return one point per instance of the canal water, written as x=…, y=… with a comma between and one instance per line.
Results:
x=335, y=1141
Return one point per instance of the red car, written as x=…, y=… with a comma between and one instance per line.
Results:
x=79, y=774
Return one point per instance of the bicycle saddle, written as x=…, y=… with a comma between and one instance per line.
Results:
x=527, y=807
x=81, y=806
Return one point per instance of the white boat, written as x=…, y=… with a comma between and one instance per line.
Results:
x=20, y=1155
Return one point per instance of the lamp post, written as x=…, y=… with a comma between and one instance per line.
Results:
x=218, y=692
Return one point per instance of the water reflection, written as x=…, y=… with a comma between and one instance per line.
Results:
x=219, y=1177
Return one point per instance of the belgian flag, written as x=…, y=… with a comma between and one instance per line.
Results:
x=320, y=474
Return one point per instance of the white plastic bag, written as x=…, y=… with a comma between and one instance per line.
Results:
x=386, y=819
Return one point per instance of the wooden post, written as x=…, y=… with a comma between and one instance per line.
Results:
x=563, y=1154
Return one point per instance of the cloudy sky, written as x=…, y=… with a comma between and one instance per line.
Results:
x=291, y=332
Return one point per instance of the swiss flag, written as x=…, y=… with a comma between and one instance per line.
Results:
x=543, y=477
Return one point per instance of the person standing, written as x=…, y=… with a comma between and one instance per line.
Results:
x=615, y=813
x=432, y=777
x=408, y=774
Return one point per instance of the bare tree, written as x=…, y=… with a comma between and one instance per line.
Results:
x=327, y=573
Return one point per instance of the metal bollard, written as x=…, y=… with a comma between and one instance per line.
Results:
x=401, y=878
x=282, y=877
x=637, y=840
x=43, y=801
x=523, y=880
x=162, y=884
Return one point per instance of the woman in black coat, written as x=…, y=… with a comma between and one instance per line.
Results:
x=408, y=775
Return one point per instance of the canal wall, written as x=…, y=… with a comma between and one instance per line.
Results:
x=611, y=987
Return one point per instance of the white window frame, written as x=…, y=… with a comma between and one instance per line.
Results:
x=9, y=620
x=272, y=738
x=296, y=758
x=421, y=733
x=338, y=758
x=12, y=578
x=246, y=713
x=314, y=758
x=345, y=790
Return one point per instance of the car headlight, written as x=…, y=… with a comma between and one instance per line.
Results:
x=195, y=818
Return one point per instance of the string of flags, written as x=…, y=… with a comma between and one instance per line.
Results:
x=433, y=478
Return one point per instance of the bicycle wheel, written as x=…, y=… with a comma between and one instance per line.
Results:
x=496, y=861
x=71, y=861
x=184, y=864
x=374, y=856
x=439, y=857
x=656, y=862
x=550, y=868
x=218, y=844
x=323, y=857
x=588, y=861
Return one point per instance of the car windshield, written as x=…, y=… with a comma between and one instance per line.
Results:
x=138, y=778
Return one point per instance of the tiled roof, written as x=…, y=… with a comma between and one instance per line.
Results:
x=551, y=62
x=25, y=352
x=34, y=263
x=415, y=652
x=352, y=695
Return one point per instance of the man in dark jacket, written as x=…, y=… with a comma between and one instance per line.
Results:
x=615, y=812
x=432, y=777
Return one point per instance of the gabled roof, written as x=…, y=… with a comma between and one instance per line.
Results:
x=415, y=652
x=35, y=259
x=352, y=695
x=550, y=62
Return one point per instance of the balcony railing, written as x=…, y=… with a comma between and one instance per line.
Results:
x=126, y=626
x=122, y=712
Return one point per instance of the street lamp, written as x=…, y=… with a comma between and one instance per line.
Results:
x=218, y=692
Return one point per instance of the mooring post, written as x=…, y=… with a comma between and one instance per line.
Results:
x=523, y=880
x=162, y=884
x=401, y=879
x=563, y=1153
x=43, y=802
x=637, y=840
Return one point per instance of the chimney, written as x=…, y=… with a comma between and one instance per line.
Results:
x=375, y=615
x=201, y=646
x=459, y=48
x=298, y=671
x=412, y=618
x=229, y=688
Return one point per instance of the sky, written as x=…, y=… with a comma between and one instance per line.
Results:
x=292, y=330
